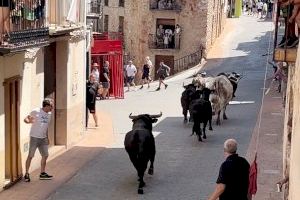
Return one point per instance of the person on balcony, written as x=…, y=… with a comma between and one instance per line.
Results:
x=289, y=39
x=166, y=41
x=162, y=4
x=4, y=18
x=178, y=31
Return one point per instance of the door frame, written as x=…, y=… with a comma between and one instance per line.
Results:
x=13, y=160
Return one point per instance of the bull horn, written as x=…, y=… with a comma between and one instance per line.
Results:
x=156, y=116
x=183, y=84
x=132, y=116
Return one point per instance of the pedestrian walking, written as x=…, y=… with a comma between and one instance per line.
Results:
x=233, y=180
x=40, y=119
x=131, y=72
x=149, y=63
x=163, y=72
x=92, y=88
x=105, y=80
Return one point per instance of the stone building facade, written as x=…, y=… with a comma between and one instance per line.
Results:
x=201, y=23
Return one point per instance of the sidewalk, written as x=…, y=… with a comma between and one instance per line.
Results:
x=66, y=165
x=269, y=154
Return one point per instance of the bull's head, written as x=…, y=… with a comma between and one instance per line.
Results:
x=153, y=118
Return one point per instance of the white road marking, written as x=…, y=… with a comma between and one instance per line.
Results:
x=276, y=114
x=155, y=133
x=269, y=134
x=271, y=171
x=241, y=102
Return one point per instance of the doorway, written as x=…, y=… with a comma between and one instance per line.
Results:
x=168, y=60
x=50, y=87
x=13, y=163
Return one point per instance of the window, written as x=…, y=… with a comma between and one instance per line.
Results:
x=121, y=24
x=121, y=3
x=106, y=23
x=106, y=2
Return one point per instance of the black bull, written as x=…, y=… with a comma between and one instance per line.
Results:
x=140, y=145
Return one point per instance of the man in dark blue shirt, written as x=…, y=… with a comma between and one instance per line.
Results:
x=233, y=180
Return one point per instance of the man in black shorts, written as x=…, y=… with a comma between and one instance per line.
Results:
x=146, y=75
x=92, y=88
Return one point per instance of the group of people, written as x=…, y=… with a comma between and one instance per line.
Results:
x=130, y=72
x=164, y=5
x=168, y=36
x=260, y=8
x=20, y=14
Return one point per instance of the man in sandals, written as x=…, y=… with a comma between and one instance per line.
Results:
x=40, y=119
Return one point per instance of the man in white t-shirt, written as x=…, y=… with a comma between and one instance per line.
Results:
x=40, y=119
x=130, y=71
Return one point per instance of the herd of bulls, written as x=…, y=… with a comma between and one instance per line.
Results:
x=207, y=96
x=202, y=98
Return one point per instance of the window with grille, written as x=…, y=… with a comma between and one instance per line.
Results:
x=121, y=3
x=106, y=23
x=106, y=2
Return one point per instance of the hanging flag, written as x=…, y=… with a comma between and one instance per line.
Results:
x=253, y=177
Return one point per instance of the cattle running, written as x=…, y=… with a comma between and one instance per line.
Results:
x=140, y=145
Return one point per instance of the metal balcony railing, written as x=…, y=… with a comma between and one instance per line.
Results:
x=157, y=42
x=94, y=7
x=22, y=24
x=188, y=61
x=165, y=5
x=285, y=39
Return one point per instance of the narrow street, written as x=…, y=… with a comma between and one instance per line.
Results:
x=184, y=168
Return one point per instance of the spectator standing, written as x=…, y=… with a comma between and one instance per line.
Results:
x=105, y=79
x=149, y=63
x=233, y=180
x=92, y=88
x=178, y=31
x=166, y=41
x=40, y=119
x=95, y=71
x=131, y=72
x=163, y=72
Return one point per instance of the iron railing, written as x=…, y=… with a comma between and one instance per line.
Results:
x=157, y=42
x=23, y=24
x=165, y=5
x=95, y=15
x=94, y=7
x=188, y=61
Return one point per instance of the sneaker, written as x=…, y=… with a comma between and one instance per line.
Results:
x=45, y=176
x=282, y=42
x=27, y=177
x=157, y=89
x=166, y=86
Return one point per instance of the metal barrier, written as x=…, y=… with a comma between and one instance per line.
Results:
x=22, y=23
x=156, y=42
x=188, y=61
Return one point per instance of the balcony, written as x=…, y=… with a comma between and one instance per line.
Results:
x=163, y=5
x=22, y=26
x=65, y=16
x=285, y=40
x=157, y=42
x=94, y=9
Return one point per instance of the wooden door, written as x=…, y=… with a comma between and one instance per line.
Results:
x=13, y=165
x=168, y=60
x=50, y=87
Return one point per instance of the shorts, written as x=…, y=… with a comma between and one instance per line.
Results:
x=106, y=85
x=41, y=144
x=91, y=107
x=162, y=77
x=146, y=76
x=130, y=79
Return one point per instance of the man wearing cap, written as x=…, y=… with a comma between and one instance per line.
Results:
x=92, y=89
x=233, y=180
x=95, y=71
